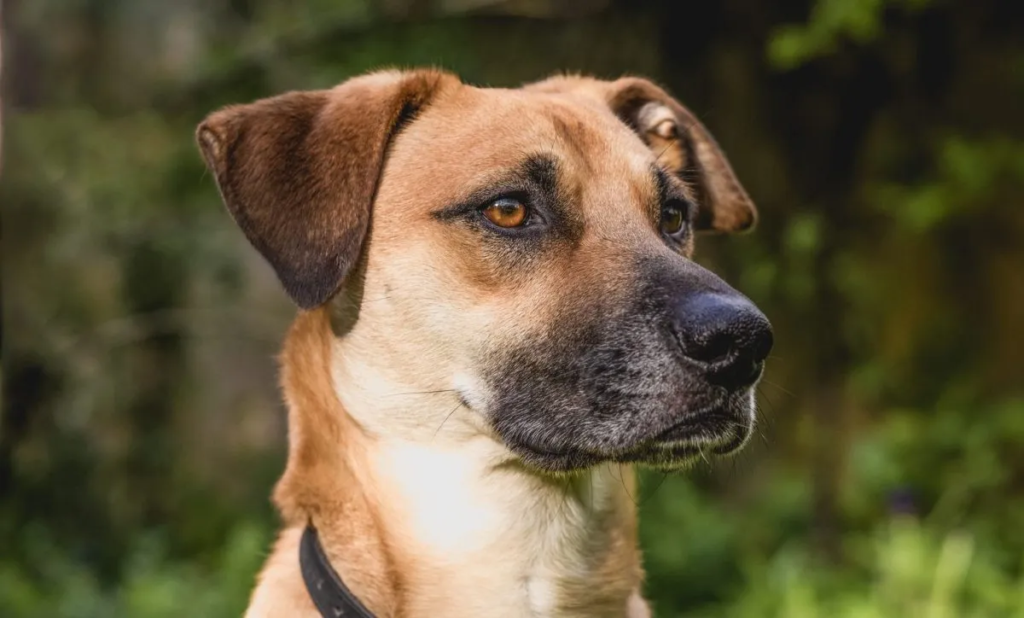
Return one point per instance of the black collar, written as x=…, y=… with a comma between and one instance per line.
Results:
x=329, y=593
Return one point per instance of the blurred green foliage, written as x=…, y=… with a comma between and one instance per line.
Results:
x=882, y=139
x=830, y=23
x=153, y=585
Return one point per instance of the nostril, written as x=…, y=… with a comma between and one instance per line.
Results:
x=751, y=345
x=710, y=348
x=735, y=373
x=727, y=334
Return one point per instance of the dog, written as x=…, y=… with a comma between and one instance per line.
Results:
x=498, y=318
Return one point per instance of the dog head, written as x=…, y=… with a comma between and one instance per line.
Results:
x=526, y=252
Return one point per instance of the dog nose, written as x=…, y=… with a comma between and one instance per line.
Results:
x=726, y=334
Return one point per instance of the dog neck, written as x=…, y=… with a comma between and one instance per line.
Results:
x=435, y=516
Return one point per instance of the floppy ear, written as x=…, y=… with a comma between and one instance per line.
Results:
x=684, y=146
x=299, y=171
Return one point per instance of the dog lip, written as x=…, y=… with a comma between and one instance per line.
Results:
x=739, y=438
x=716, y=429
x=696, y=428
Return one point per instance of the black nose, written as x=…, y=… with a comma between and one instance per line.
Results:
x=726, y=334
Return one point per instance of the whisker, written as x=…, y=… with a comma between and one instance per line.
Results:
x=592, y=492
x=657, y=159
x=443, y=390
x=457, y=406
x=664, y=475
x=778, y=386
x=734, y=463
x=565, y=489
x=761, y=417
x=767, y=399
x=761, y=434
x=703, y=456
x=623, y=483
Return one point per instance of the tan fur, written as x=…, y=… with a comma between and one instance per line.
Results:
x=683, y=143
x=421, y=508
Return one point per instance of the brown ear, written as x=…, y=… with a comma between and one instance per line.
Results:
x=299, y=171
x=684, y=146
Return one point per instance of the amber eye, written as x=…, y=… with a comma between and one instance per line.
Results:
x=506, y=212
x=672, y=220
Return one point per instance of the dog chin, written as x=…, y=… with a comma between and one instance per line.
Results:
x=713, y=433
x=716, y=432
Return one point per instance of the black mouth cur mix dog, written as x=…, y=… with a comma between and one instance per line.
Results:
x=499, y=319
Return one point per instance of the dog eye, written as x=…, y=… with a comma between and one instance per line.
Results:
x=506, y=213
x=673, y=220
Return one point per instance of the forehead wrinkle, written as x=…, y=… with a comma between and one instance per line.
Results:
x=513, y=128
x=574, y=135
x=587, y=127
x=607, y=155
x=601, y=161
x=648, y=193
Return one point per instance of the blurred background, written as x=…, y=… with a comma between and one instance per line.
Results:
x=883, y=141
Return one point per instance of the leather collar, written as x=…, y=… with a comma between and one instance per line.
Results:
x=329, y=593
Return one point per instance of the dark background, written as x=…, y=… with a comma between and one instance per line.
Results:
x=883, y=141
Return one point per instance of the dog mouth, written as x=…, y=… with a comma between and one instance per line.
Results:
x=715, y=432
x=716, y=428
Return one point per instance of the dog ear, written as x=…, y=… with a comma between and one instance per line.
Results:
x=298, y=172
x=684, y=146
